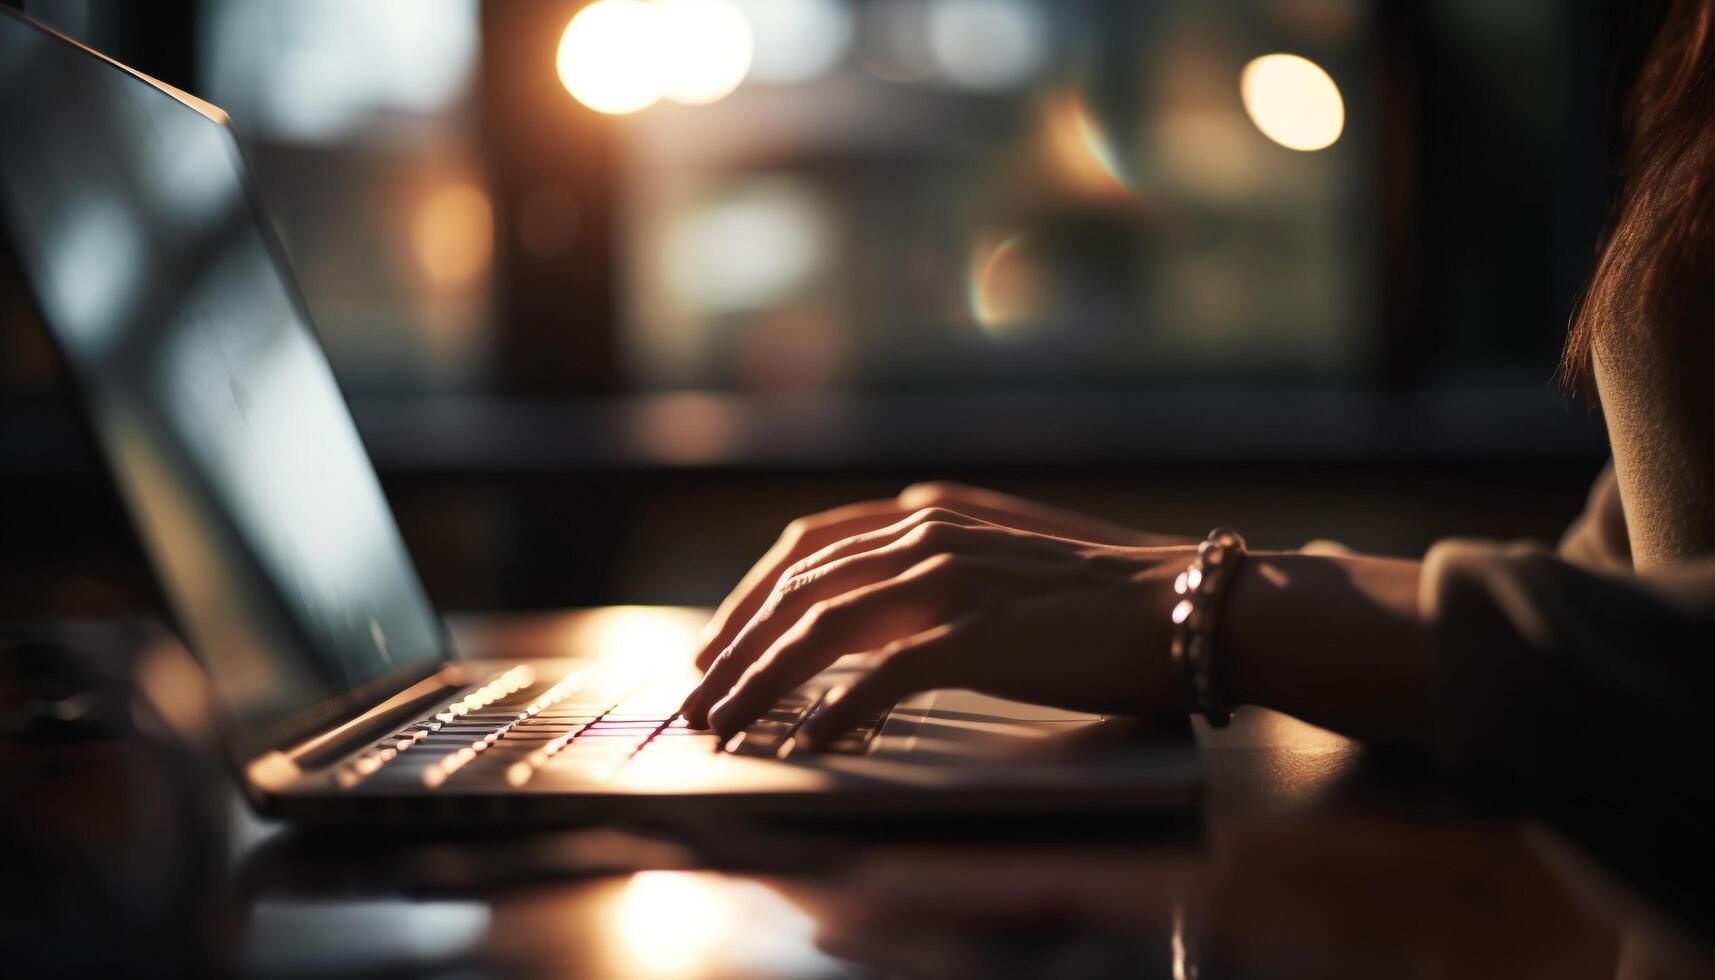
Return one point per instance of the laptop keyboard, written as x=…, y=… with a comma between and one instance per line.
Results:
x=513, y=728
x=769, y=734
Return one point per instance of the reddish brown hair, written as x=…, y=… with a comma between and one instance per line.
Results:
x=1655, y=277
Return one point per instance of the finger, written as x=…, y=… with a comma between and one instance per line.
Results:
x=936, y=657
x=930, y=531
x=1010, y=511
x=802, y=537
x=782, y=605
x=864, y=620
x=895, y=550
x=789, y=604
x=933, y=591
x=881, y=537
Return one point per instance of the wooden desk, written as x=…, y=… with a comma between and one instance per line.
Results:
x=1310, y=857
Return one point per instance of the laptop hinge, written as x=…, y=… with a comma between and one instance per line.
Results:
x=279, y=767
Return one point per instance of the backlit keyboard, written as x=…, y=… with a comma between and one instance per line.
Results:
x=514, y=728
x=769, y=734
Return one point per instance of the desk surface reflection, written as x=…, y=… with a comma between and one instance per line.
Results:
x=1309, y=857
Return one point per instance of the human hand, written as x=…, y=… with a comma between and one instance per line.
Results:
x=808, y=535
x=942, y=599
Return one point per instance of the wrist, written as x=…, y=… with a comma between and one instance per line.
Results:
x=1335, y=641
x=1150, y=603
x=1252, y=603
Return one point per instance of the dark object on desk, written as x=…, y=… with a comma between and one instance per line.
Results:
x=113, y=823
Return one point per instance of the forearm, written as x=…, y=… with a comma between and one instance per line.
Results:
x=1337, y=641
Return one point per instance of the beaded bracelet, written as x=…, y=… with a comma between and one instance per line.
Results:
x=1204, y=586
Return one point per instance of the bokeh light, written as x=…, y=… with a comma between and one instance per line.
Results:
x=707, y=49
x=1293, y=101
x=796, y=40
x=751, y=249
x=620, y=56
x=987, y=45
x=452, y=234
x=611, y=57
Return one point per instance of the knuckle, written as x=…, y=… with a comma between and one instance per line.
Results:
x=796, y=576
x=935, y=535
x=819, y=615
x=797, y=528
x=943, y=563
x=798, y=567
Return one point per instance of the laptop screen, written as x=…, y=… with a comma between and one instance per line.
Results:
x=131, y=215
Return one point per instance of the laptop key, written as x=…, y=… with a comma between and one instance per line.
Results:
x=759, y=740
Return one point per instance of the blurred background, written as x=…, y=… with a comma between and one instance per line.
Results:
x=617, y=289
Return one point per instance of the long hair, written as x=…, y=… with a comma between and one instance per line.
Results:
x=1655, y=277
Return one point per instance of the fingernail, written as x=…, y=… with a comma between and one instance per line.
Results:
x=796, y=742
x=714, y=722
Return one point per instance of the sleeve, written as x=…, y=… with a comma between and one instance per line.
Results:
x=1549, y=676
x=1597, y=539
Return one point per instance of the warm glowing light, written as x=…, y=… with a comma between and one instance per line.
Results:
x=707, y=47
x=620, y=56
x=670, y=924
x=453, y=234
x=641, y=640
x=1081, y=148
x=1004, y=287
x=1293, y=101
x=611, y=56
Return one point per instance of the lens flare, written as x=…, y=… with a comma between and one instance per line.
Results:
x=1293, y=101
x=1005, y=288
x=1081, y=149
x=611, y=56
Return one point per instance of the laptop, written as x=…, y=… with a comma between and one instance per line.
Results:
x=132, y=221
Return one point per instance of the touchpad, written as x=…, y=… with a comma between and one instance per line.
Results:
x=952, y=704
